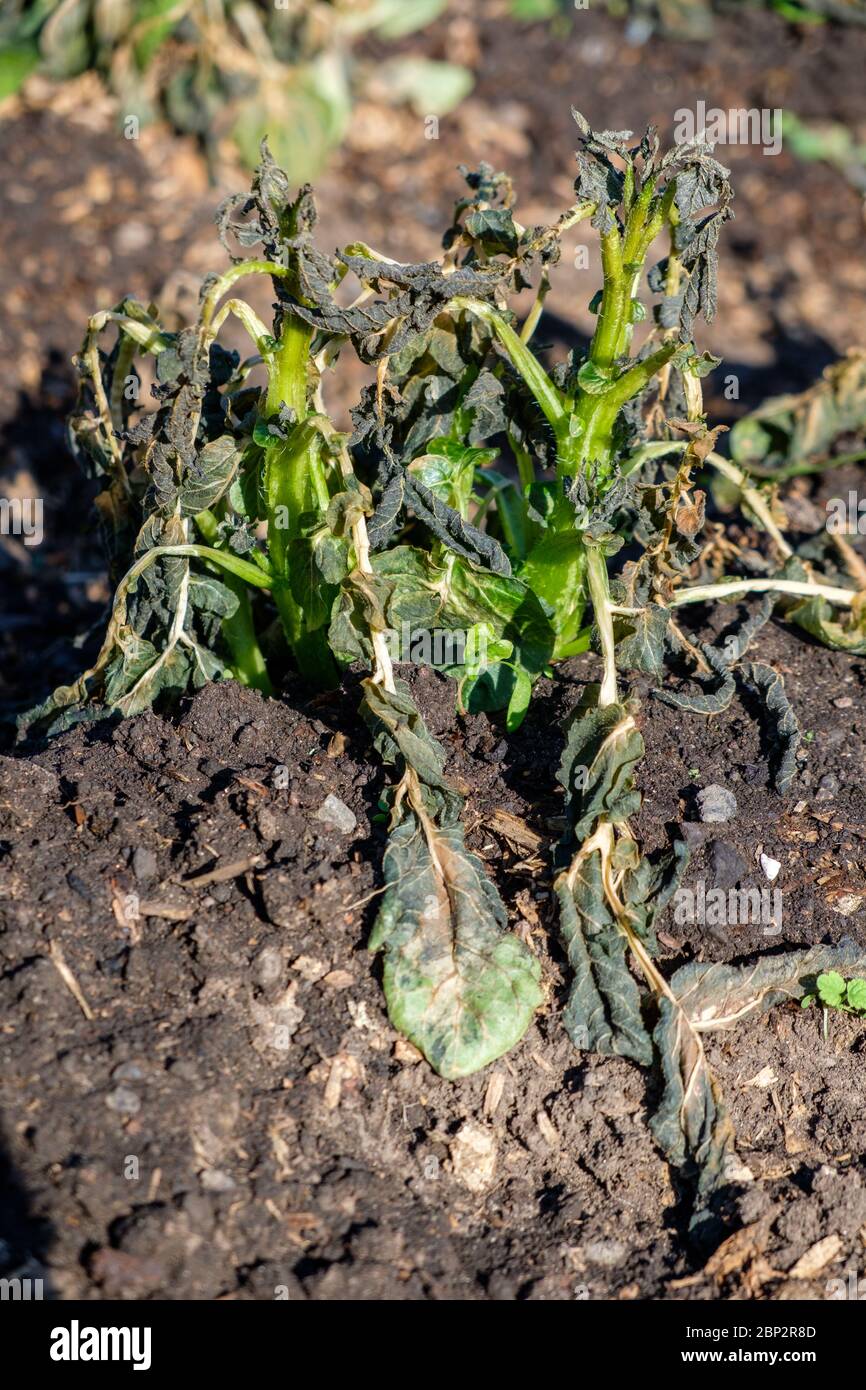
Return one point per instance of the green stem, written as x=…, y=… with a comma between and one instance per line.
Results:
x=523, y=359
x=605, y=349
x=598, y=414
x=226, y=280
x=295, y=485
x=239, y=630
x=287, y=379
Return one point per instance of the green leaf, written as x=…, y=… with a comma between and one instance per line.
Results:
x=519, y=701
x=448, y=470
x=395, y=18
x=857, y=995
x=831, y=989
x=297, y=115
x=842, y=633
x=16, y=64
x=461, y=989
x=789, y=435
x=484, y=649
x=592, y=379
x=456, y=596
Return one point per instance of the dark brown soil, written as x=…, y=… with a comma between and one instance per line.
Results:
x=237, y=1116
x=201, y=1093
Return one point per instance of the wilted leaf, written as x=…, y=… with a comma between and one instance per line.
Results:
x=460, y=988
x=789, y=435
x=691, y=1123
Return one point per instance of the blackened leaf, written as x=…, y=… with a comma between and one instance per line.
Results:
x=210, y=475
x=718, y=996
x=601, y=751
x=212, y=596
x=640, y=639
x=649, y=885
x=691, y=1125
x=737, y=643
x=713, y=701
x=785, y=729
x=486, y=400
x=603, y=1011
x=386, y=518
x=448, y=526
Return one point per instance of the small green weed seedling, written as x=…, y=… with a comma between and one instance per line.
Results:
x=833, y=991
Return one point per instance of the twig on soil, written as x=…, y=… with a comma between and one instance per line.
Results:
x=170, y=912
x=224, y=872
x=59, y=962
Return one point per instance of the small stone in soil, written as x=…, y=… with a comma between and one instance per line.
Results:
x=123, y=1101
x=336, y=813
x=727, y=867
x=827, y=787
x=144, y=864
x=128, y=1071
x=216, y=1180
x=693, y=833
x=771, y=867
x=607, y=1253
x=269, y=966
x=716, y=803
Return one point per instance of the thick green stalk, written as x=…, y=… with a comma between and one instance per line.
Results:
x=295, y=485
x=605, y=347
x=598, y=414
x=623, y=256
x=239, y=630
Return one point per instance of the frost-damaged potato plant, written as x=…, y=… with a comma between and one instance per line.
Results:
x=484, y=496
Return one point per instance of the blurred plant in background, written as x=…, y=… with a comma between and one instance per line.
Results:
x=692, y=19
x=243, y=68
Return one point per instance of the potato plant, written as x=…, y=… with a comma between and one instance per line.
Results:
x=537, y=512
